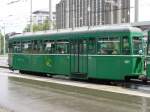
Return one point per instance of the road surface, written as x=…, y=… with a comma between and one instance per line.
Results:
x=22, y=95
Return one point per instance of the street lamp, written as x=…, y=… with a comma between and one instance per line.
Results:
x=4, y=42
x=50, y=14
x=4, y=49
x=31, y=22
x=3, y=27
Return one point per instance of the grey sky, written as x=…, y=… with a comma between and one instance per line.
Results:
x=16, y=16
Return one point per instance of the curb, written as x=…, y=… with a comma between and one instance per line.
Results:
x=6, y=67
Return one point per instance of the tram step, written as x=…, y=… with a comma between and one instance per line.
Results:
x=78, y=75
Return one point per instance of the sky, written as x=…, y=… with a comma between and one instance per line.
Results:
x=15, y=16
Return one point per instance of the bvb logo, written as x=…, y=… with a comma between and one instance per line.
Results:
x=48, y=62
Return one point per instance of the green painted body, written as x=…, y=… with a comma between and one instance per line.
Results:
x=148, y=66
x=81, y=66
x=41, y=63
x=148, y=57
x=99, y=67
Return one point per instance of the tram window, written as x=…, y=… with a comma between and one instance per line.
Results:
x=13, y=47
x=49, y=47
x=16, y=47
x=19, y=47
x=108, y=46
x=62, y=47
x=74, y=47
x=27, y=47
x=10, y=48
x=137, y=45
x=148, y=46
x=83, y=46
x=40, y=46
x=35, y=47
x=126, y=46
x=92, y=46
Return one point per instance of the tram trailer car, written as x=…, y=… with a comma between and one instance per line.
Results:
x=148, y=56
x=109, y=53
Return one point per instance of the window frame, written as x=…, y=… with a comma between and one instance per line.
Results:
x=105, y=50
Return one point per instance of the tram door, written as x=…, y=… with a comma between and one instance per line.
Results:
x=79, y=59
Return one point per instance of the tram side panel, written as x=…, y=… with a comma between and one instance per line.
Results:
x=108, y=67
x=148, y=67
x=114, y=67
x=61, y=64
x=52, y=64
x=21, y=62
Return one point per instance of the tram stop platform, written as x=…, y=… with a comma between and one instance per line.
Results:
x=82, y=87
x=4, y=61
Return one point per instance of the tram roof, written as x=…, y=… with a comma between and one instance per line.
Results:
x=76, y=31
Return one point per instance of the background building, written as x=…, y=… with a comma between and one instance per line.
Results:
x=40, y=16
x=78, y=13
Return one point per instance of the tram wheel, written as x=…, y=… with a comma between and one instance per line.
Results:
x=49, y=75
x=144, y=81
x=21, y=71
x=127, y=79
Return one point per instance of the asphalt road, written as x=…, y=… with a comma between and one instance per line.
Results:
x=22, y=95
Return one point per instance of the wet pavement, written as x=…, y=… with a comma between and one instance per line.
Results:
x=23, y=95
x=3, y=61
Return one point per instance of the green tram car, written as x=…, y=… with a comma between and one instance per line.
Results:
x=148, y=56
x=109, y=53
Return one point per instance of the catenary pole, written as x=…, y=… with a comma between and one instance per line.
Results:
x=50, y=14
x=31, y=22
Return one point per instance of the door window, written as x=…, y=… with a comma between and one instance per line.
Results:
x=92, y=46
x=126, y=46
x=137, y=45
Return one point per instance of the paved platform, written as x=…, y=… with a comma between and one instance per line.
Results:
x=4, y=61
x=2, y=109
x=64, y=83
x=25, y=93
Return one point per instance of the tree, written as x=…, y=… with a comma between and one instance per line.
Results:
x=40, y=27
x=27, y=28
x=1, y=42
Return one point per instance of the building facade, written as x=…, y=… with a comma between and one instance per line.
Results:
x=41, y=16
x=78, y=13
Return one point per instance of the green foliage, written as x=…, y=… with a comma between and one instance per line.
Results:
x=40, y=27
x=1, y=42
x=27, y=28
